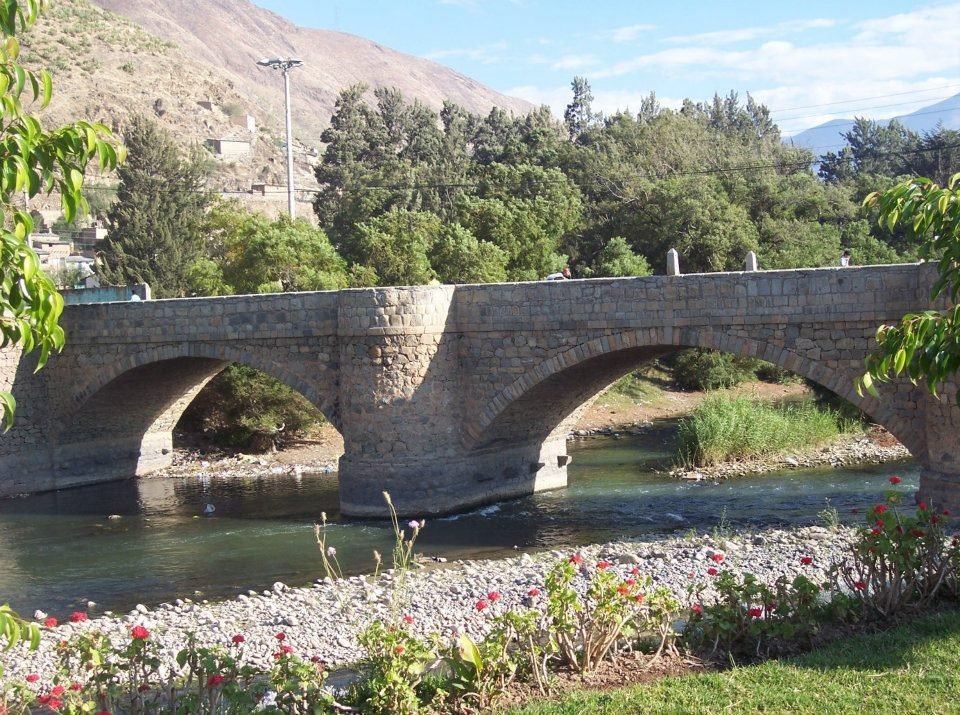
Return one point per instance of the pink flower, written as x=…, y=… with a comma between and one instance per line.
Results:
x=635, y=571
x=717, y=557
x=533, y=592
x=576, y=559
x=57, y=691
x=408, y=620
x=624, y=590
x=603, y=564
x=33, y=678
x=638, y=598
x=286, y=649
x=712, y=571
x=75, y=686
x=755, y=612
x=54, y=703
x=139, y=633
x=50, y=622
x=697, y=608
x=806, y=560
x=481, y=604
x=78, y=617
x=214, y=680
x=493, y=596
x=895, y=479
x=281, y=636
x=238, y=639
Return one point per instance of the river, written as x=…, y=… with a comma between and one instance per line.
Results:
x=145, y=541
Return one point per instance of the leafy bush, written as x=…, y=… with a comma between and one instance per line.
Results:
x=245, y=408
x=722, y=428
x=701, y=369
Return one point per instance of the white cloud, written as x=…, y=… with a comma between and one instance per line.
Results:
x=575, y=62
x=608, y=101
x=745, y=34
x=628, y=33
x=485, y=54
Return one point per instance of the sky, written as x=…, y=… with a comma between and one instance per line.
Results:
x=808, y=62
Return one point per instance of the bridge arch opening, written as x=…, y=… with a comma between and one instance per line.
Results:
x=545, y=404
x=123, y=419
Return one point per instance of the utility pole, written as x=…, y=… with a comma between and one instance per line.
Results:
x=285, y=65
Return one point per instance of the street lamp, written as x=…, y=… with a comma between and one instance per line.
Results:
x=285, y=65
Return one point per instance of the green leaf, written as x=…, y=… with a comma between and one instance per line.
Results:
x=469, y=653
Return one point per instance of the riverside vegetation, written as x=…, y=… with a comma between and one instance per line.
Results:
x=583, y=614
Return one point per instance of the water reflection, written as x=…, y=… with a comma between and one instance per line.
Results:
x=145, y=540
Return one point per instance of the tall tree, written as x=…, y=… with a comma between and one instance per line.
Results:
x=155, y=226
x=579, y=115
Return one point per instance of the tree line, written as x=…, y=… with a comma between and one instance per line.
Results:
x=408, y=196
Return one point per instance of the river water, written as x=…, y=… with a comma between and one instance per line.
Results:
x=61, y=549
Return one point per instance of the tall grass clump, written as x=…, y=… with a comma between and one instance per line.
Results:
x=724, y=429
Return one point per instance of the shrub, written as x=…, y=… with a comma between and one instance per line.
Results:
x=701, y=369
x=722, y=428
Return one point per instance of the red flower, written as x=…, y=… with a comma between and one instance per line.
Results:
x=55, y=703
x=881, y=523
x=917, y=533
x=576, y=559
x=533, y=592
x=879, y=508
x=43, y=699
x=806, y=560
x=934, y=519
x=481, y=604
x=624, y=590
x=139, y=633
x=860, y=586
x=214, y=680
x=33, y=678
x=630, y=582
x=875, y=531
x=946, y=512
x=78, y=617
x=50, y=622
x=286, y=649
x=717, y=557
x=755, y=612
x=697, y=608
x=238, y=639
x=638, y=598
x=895, y=479
x=603, y=564
x=408, y=620
x=712, y=571
x=57, y=690
x=635, y=571
x=493, y=596
x=399, y=649
x=75, y=686
x=281, y=636
x=922, y=506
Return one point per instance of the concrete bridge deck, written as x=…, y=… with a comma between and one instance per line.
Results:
x=452, y=396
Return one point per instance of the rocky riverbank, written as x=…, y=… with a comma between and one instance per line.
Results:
x=324, y=620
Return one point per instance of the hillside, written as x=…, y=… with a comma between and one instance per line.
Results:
x=192, y=67
x=827, y=136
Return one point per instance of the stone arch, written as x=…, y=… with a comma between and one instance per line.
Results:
x=324, y=400
x=507, y=407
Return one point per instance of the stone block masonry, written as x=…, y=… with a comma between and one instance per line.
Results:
x=452, y=396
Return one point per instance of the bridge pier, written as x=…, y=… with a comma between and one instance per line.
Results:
x=429, y=486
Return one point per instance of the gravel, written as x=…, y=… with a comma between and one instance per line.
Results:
x=324, y=619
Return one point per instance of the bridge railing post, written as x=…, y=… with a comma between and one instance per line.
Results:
x=673, y=262
x=751, y=262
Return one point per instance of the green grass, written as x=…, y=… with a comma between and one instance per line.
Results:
x=724, y=428
x=914, y=668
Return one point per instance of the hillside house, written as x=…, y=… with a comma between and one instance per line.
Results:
x=228, y=148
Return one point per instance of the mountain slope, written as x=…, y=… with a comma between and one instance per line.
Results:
x=231, y=35
x=827, y=136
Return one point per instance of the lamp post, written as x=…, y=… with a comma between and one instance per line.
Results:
x=285, y=65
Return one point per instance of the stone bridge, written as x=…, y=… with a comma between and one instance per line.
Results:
x=451, y=396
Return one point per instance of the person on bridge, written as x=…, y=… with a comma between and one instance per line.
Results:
x=845, y=259
x=560, y=275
